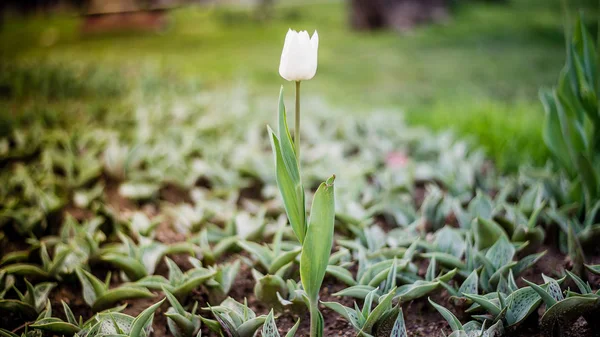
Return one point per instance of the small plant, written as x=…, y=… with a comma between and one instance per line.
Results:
x=182, y=323
x=470, y=329
x=208, y=253
x=180, y=284
x=275, y=262
x=295, y=297
x=98, y=295
x=118, y=324
x=33, y=302
x=138, y=261
x=498, y=262
x=379, y=277
x=270, y=328
x=563, y=311
x=234, y=319
x=366, y=320
x=220, y=284
x=57, y=325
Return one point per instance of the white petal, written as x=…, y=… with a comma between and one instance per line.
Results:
x=314, y=40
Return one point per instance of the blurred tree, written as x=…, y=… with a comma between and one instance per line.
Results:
x=397, y=14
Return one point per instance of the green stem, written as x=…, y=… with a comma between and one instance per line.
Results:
x=297, y=125
x=314, y=320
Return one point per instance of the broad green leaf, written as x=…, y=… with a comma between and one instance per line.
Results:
x=144, y=319
x=179, y=325
x=409, y=292
x=92, y=286
x=115, y=295
x=527, y=262
x=260, y=252
x=174, y=302
x=593, y=268
x=357, y=291
x=399, y=329
x=291, y=191
x=470, y=285
x=249, y=327
x=501, y=253
x=16, y=306
x=567, y=311
x=282, y=260
x=131, y=266
x=348, y=313
x=26, y=269
x=341, y=274
x=193, y=280
x=445, y=259
x=385, y=304
x=455, y=324
x=549, y=300
x=521, y=304
x=486, y=232
x=57, y=326
x=430, y=273
x=485, y=303
x=269, y=328
x=319, y=240
x=69, y=313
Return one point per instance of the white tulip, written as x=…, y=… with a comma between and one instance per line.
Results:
x=299, y=56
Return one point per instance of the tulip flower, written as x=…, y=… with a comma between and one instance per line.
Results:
x=299, y=56
x=298, y=63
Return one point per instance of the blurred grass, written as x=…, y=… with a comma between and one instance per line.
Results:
x=477, y=73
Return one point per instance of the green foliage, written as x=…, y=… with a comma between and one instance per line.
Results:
x=180, y=322
x=288, y=174
x=180, y=284
x=572, y=122
x=563, y=311
x=498, y=262
x=114, y=323
x=98, y=296
x=138, y=261
x=56, y=325
x=270, y=328
x=365, y=320
x=472, y=328
x=220, y=285
x=34, y=301
x=234, y=319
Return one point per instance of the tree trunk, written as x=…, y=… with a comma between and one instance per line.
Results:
x=396, y=14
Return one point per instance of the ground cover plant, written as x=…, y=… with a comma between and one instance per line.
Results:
x=189, y=217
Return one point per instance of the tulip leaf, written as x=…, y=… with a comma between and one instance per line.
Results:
x=291, y=191
x=319, y=240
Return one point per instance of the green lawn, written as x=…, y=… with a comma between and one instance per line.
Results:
x=478, y=73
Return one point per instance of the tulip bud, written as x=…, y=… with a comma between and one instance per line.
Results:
x=299, y=56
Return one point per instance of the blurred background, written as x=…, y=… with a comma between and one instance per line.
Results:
x=474, y=67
